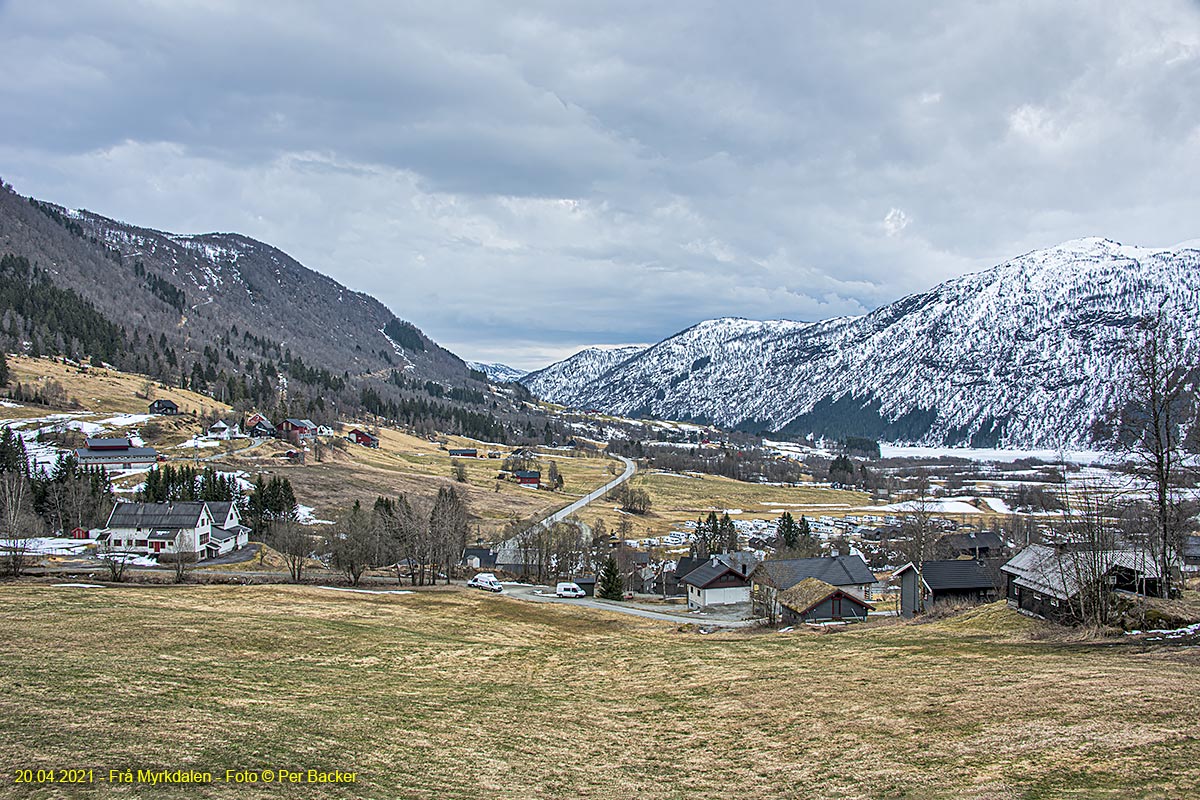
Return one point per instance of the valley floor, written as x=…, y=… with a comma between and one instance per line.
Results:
x=447, y=693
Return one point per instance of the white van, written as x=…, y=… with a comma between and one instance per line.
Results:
x=569, y=589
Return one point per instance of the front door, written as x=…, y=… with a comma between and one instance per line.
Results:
x=836, y=613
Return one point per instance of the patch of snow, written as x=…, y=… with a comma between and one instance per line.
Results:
x=124, y=420
x=304, y=515
x=78, y=586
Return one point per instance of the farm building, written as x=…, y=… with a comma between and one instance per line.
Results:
x=528, y=477
x=962, y=579
x=294, y=430
x=115, y=455
x=359, y=436
x=464, y=452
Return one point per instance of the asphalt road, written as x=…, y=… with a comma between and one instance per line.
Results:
x=545, y=594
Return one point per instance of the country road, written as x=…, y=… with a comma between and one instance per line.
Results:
x=563, y=513
x=545, y=594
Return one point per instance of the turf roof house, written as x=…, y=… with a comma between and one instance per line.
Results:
x=963, y=580
x=771, y=578
x=193, y=529
x=814, y=600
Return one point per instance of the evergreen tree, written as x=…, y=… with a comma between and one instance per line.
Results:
x=608, y=586
x=728, y=534
x=789, y=531
x=3, y=369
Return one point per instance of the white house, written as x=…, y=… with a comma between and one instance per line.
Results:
x=719, y=581
x=222, y=430
x=200, y=529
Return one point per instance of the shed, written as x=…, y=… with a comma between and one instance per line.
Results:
x=961, y=579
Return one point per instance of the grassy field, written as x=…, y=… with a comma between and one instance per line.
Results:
x=104, y=390
x=678, y=498
x=450, y=694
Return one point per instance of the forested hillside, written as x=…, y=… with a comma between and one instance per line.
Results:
x=231, y=317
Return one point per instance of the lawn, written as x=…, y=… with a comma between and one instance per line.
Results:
x=453, y=694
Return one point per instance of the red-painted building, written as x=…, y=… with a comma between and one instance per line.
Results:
x=359, y=436
x=528, y=477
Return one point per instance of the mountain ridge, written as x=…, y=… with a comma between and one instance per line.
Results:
x=1025, y=353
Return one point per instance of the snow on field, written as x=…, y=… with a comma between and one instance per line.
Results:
x=365, y=591
x=304, y=515
x=943, y=506
x=196, y=441
x=131, y=559
x=997, y=505
x=996, y=454
x=10, y=404
x=77, y=586
x=47, y=546
x=125, y=420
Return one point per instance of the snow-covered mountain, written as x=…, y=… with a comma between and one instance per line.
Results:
x=564, y=381
x=500, y=373
x=1026, y=354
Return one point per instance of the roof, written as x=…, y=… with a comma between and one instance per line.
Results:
x=1044, y=569
x=712, y=569
x=686, y=565
x=219, y=509
x=225, y=534
x=163, y=402
x=811, y=592
x=218, y=424
x=526, y=473
x=104, y=444
x=949, y=575
x=117, y=455
x=974, y=541
x=164, y=536
x=301, y=423
x=784, y=573
x=156, y=515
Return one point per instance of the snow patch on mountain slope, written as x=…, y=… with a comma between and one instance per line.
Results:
x=1027, y=354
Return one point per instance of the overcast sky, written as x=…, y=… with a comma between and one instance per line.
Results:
x=522, y=180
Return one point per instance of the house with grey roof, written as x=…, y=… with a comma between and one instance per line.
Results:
x=719, y=581
x=961, y=580
x=115, y=455
x=191, y=529
x=770, y=579
x=847, y=572
x=1047, y=581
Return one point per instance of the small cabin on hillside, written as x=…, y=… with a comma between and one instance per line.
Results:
x=359, y=436
x=528, y=477
x=464, y=452
x=165, y=407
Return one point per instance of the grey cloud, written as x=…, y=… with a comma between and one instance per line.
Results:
x=615, y=172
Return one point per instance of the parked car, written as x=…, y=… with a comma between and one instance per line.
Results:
x=569, y=589
x=486, y=581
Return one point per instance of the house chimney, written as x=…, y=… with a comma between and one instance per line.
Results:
x=715, y=560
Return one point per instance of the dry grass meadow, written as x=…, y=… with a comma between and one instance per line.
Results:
x=678, y=498
x=448, y=694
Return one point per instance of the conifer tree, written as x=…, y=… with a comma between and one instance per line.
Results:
x=608, y=586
